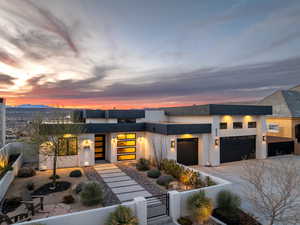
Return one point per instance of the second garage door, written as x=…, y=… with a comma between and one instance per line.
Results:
x=187, y=151
x=237, y=148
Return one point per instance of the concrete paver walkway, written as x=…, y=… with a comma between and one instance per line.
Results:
x=122, y=185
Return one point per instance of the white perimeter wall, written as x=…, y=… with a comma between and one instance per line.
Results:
x=9, y=177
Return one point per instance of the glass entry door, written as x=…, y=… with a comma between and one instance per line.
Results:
x=99, y=147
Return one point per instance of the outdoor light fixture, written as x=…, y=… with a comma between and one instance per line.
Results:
x=172, y=143
x=86, y=144
x=264, y=138
x=216, y=142
x=86, y=163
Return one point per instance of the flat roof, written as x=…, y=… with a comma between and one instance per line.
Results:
x=167, y=129
x=218, y=109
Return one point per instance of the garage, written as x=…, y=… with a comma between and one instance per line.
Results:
x=237, y=148
x=280, y=146
x=187, y=151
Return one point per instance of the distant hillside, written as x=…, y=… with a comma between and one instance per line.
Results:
x=29, y=106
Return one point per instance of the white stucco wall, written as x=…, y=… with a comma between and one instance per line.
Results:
x=101, y=120
x=155, y=116
x=190, y=119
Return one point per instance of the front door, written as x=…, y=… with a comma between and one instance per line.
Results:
x=187, y=151
x=99, y=147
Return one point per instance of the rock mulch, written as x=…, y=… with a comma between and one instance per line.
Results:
x=141, y=179
x=109, y=198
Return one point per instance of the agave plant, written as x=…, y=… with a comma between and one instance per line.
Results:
x=122, y=215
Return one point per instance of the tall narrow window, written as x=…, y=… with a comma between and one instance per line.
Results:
x=126, y=146
x=68, y=146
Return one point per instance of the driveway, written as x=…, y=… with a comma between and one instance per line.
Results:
x=233, y=173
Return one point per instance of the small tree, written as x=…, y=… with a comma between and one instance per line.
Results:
x=274, y=190
x=51, y=135
x=158, y=153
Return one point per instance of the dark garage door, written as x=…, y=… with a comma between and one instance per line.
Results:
x=187, y=151
x=237, y=148
x=280, y=148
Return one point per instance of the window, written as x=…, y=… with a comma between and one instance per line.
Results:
x=126, y=143
x=126, y=120
x=237, y=125
x=126, y=146
x=251, y=124
x=67, y=146
x=127, y=136
x=223, y=126
x=273, y=127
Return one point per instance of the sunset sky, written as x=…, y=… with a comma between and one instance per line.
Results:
x=140, y=53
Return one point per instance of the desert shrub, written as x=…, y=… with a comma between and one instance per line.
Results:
x=56, y=176
x=26, y=172
x=172, y=168
x=75, y=173
x=154, y=173
x=184, y=221
x=228, y=201
x=10, y=204
x=30, y=186
x=165, y=180
x=91, y=193
x=5, y=170
x=209, y=181
x=201, y=207
x=68, y=199
x=143, y=164
x=122, y=215
x=79, y=187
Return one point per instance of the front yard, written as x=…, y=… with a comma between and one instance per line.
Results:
x=54, y=203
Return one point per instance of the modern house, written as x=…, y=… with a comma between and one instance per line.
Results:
x=2, y=122
x=192, y=135
x=284, y=124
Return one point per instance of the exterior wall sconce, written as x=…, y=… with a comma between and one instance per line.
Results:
x=172, y=143
x=141, y=139
x=113, y=140
x=86, y=144
x=264, y=138
x=217, y=142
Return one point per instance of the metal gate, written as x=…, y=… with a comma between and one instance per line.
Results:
x=157, y=206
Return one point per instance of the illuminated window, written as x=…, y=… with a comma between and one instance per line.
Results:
x=126, y=146
x=237, y=125
x=126, y=143
x=67, y=146
x=251, y=124
x=126, y=136
x=126, y=157
x=126, y=150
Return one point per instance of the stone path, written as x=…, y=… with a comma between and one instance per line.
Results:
x=109, y=198
x=123, y=186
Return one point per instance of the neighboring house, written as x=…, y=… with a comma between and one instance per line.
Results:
x=284, y=124
x=2, y=122
x=194, y=135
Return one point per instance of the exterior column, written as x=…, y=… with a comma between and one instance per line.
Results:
x=214, y=150
x=261, y=145
x=174, y=204
x=141, y=210
x=113, y=149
